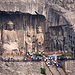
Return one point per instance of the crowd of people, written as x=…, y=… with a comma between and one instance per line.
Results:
x=53, y=60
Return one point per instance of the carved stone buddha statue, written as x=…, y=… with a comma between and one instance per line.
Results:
x=10, y=40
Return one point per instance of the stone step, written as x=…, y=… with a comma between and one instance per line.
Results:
x=61, y=71
x=54, y=70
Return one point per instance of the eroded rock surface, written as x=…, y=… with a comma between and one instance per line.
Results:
x=20, y=68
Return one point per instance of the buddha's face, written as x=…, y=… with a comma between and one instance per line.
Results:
x=28, y=34
x=39, y=29
x=10, y=25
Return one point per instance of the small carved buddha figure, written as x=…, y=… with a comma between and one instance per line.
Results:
x=10, y=40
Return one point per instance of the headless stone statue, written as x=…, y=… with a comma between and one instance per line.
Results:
x=10, y=40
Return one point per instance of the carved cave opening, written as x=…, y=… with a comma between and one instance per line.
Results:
x=23, y=23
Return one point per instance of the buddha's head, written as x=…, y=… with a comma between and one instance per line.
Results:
x=28, y=33
x=39, y=29
x=10, y=25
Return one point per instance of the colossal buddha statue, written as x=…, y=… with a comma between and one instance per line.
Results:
x=9, y=38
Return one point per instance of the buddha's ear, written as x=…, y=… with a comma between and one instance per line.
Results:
x=6, y=27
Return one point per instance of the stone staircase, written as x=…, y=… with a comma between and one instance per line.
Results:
x=54, y=70
x=61, y=71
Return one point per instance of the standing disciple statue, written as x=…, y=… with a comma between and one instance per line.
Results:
x=9, y=38
x=29, y=42
x=40, y=39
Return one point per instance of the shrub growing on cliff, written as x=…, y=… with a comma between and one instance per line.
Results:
x=43, y=70
x=65, y=55
x=37, y=54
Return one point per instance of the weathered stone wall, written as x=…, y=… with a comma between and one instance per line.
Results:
x=42, y=7
x=67, y=4
x=69, y=66
x=20, y=68
x=67, y=14
x=27, y=6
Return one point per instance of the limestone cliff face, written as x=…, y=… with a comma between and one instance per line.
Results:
x=63, y=7
x=67, y=4
x=26, y=6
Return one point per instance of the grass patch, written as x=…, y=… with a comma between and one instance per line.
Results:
x=37, y=54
